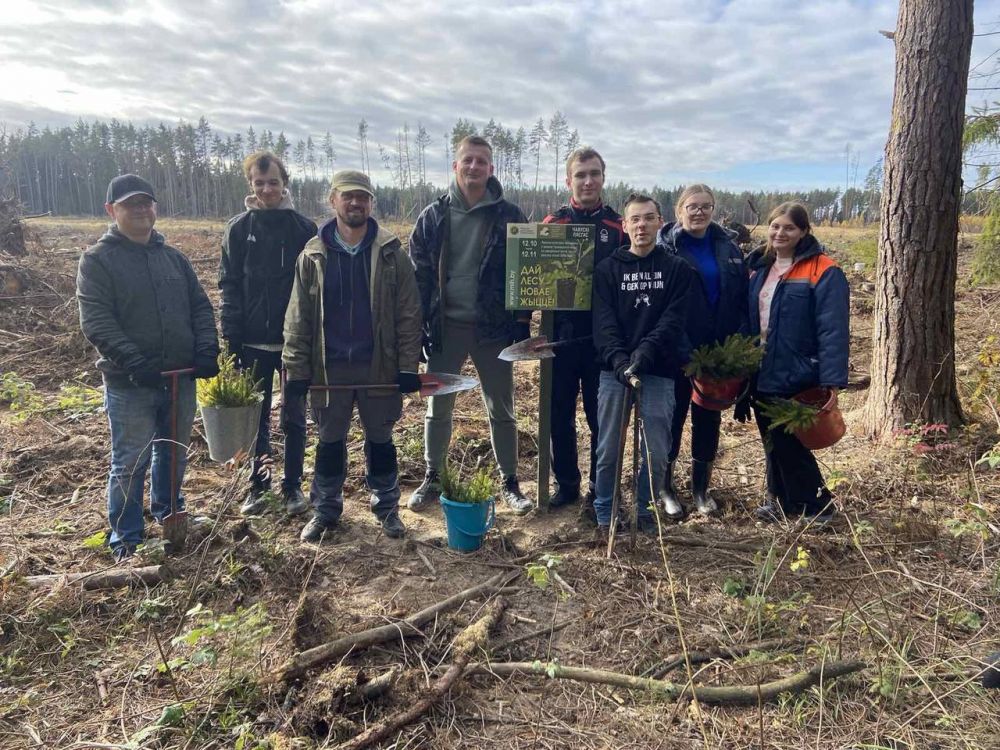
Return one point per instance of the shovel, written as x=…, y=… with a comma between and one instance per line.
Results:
x=431, y=384
x=537, y=347
x=175, y=523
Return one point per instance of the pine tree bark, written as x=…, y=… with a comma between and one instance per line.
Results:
x=913, y=362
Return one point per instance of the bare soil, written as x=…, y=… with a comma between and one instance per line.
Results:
x=906, y=581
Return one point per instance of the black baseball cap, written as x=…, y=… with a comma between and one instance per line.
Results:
x=126, y=185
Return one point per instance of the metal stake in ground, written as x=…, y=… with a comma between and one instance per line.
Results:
x=175, y=523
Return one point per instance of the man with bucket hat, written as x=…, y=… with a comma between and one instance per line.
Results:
x=353, y=320
x=145, y=312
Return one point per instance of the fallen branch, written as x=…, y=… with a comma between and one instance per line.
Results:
x=469, y=641
x=693, y=541
x=671, y=663
x=299, y=664
x=105, y=579
x=732, y=695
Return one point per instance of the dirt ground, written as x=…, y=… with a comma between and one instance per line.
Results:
x=907, y=582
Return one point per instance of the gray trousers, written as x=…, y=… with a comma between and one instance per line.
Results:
x=497, y=382
x=378, y=411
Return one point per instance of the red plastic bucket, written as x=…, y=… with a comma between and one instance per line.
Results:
x=717, y=395
x=829, y=426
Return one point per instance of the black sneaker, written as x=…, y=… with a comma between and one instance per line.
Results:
x=564, y=496
x=515, y=499
x=123, y=552
x=647, y=525
x=429, y=492
x=316, y=531
x=295, y=500
x=392, y=526
x=255, y=502
x=770, y=512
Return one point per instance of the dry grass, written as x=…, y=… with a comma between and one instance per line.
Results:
x=908, y=582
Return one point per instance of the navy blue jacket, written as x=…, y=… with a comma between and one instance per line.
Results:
x=430, y=236
x=808, y=334
x=571, y=324
x=708, y=324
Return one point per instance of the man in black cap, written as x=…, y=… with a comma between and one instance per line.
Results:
x=353, y=319
x=259, y=250
x=142, y=307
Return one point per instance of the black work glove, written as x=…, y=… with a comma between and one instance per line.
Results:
x=297, y=388
x=741, y=413
x=235, y=347
x=522, y=330
x=425, y=348
x=205, y=366
x=146, y=377
x=621, y=364
x=640, y=363
x=409, y=382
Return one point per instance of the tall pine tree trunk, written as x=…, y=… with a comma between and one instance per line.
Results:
x=913, y=362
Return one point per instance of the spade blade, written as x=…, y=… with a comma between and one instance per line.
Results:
x=440, y=383
x=537, y=347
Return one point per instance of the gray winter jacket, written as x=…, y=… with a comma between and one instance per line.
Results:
x=142, y=306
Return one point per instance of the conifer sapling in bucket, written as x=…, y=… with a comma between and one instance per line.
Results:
x=230, y=406
x=720, y=372
x=468, y=506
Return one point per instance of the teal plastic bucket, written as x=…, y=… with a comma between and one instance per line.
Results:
x=467, y=523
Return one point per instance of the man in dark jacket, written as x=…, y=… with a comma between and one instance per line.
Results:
x=353, y=319
x=640, y=302
x=259, y=250
x=575, y=368
x=143, y=309
x=458, y=250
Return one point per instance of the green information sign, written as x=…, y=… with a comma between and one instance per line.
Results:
x=549, y=266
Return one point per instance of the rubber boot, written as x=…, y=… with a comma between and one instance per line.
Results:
x=669, y=501
x=701, y=476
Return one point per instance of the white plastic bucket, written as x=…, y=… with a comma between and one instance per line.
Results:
x=230, y=430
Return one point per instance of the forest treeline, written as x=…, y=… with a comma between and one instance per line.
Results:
x=197, y=171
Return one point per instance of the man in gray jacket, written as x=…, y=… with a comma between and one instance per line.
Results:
x=142, y=307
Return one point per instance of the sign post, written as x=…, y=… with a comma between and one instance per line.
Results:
x=549, y=267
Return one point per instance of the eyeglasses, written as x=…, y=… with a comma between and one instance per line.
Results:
x=701, y=208
x=635, y=219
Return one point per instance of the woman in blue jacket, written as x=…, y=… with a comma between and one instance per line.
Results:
x=716, y=309
x=800, y=306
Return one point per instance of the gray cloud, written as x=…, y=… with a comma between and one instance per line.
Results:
x=667, y=91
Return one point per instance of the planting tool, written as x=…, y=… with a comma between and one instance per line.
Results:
x=175, y=523
x=537, y=347
x=631, y=393
x=431, y=384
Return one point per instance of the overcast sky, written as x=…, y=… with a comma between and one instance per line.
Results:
x=740, y=93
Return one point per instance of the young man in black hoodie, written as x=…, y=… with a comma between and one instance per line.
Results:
x=259, y=250
x=640, y=301
x=575, y=369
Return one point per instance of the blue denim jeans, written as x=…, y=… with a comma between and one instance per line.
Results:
x=657, y=409
x=140, y=420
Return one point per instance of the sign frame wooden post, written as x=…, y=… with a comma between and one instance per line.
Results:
x=545, y=415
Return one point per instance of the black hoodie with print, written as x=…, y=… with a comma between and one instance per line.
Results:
x=641, y=304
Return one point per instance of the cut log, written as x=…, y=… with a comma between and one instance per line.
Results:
x=466, y=644
x=105, y=579
x=299, y=664
x=731, y=695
